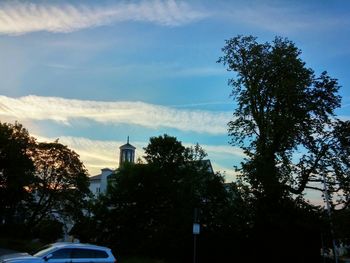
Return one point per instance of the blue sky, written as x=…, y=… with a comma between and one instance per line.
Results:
x=94, y=72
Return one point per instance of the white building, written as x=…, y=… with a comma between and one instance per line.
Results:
x=98, y=183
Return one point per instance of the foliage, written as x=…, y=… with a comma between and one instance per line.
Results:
x=85, y=227
x=16, y=170
x=37, y=181
x=285, y=122
x=166, y=151
x=48, y=231
x=20, y=244
x=284, y=110
x=148, y=210
x=61, y=183
x=341, y=225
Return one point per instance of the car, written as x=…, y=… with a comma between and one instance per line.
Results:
x=64, y=252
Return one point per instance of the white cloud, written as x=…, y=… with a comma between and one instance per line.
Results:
x=18, y=17
x=229, y=173
x=136, y=113
x=226, y=150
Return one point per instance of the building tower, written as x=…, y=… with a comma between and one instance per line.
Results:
x=127, y=154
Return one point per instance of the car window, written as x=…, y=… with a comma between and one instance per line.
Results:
x=88, y=253
x=100, y=254
x=45, y=251
x=61, y=253
x=44, y=248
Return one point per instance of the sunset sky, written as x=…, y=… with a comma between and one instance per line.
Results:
x=92, y=73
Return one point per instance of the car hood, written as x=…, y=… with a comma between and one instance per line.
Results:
x=19, y=258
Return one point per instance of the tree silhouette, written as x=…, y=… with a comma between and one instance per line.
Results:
x=285, y=122
x=16, y=171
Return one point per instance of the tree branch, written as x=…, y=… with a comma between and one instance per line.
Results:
x=306, y=174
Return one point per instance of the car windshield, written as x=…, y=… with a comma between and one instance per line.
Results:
x=42, y=251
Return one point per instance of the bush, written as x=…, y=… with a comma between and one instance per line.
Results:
x=49, y=230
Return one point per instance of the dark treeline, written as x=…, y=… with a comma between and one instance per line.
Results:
x=148, y=211
x=149, y=207
x=43, y=186
x=286, y=124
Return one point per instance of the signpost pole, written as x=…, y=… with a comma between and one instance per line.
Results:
x=328, y=206
x=196, y=231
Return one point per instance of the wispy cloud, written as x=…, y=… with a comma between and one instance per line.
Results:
x=284, y=19
x=61, y=66
x=229, y=173
x=136, y=113
x=18, y=17
x=210, y=103
x=226, y=150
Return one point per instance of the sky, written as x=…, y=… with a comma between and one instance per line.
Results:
x=92, y=73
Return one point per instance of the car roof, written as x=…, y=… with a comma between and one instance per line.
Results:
x=79, y=245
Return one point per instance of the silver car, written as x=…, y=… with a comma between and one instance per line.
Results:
x=64, y=253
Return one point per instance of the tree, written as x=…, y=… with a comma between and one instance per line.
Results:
x=165, y=150
x=61, y=183
x=284, y=110
x=151, y=205
x=38, y=181
x=285, y=122
x=16, y=171
x=49, y=230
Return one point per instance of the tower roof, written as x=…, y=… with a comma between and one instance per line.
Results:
x=127, y=146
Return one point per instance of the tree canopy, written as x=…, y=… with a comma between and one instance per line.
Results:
x=284, y=112
x=285, y=122
x=61, y=183
x=148, y=209
x=38, y=182
x=16, y=169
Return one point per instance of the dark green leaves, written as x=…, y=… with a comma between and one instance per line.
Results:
x=282, y=108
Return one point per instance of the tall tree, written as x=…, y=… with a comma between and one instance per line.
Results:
x=283, y=111
x=16, y=170
x=285, y=122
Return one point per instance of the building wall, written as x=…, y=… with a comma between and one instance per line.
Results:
x=104, y=175
x=95, y=187
x=99, y=185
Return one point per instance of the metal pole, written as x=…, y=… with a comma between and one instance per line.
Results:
x=196, y=230
x=194, y=248
x=335, y=251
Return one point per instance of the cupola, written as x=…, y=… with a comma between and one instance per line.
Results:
x=127, y=153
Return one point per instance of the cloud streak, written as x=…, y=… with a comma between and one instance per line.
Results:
x=17, y=17
x=136, y=113
x=285, y=19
